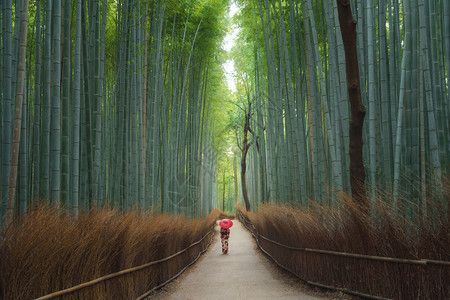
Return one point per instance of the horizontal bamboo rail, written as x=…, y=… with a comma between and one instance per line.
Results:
x=362, y=256
x=121, y=273
x=256, y=235
x=143, y=296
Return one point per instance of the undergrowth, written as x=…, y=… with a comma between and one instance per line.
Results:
x=49, y=251
x=383, y=231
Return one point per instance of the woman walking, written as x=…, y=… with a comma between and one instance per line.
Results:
x=225, y=225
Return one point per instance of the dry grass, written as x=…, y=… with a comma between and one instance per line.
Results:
x=50, y=251
x=345, y=228
x=224, y=215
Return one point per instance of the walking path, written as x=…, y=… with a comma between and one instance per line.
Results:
x=241, y=274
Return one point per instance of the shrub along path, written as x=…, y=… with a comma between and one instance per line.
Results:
x=244, y=273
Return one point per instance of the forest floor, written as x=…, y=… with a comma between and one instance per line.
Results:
x=244, y=273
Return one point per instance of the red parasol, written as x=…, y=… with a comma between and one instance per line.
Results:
x=226, y=223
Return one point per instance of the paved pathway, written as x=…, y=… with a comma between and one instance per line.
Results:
x=241, y=274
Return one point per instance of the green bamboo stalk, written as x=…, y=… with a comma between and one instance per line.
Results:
x=141, y=87
x=44, y=167
x=199, y=159
x=18, y=114
x=436, y=81
x=37, y=105
x=446, y=6
x=290, y=122
x=75, y=170
x=164, y=154
x=300, y=137
x=169, y=137
x=23, y=157
x=97, y=108
x=372, y=87
x=105, y=182
x=118, y=193
x=15, y=44
x=87, y=125
x=406, y=143
x=157, y=101
x=432, y=130
x=134, y=118
x=413, y=103
x=55, y=122
x=311, y=154
x=323, y=94
x=393, y=74
x=103, y=103
x=2, y=28
x=398, y=135
x=385, y=99
x=126, y=172
x=181, y=132
x=314, y=115
x=7, y=104
x=284, y=170
x=152, y=103
x=396, y=43
x=83, y=201
x=65, y=105
x=335, y=98
x=275, y=124
x=423, y=179
x=271, y=175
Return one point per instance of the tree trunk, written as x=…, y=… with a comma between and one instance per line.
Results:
x=246, y=145
x=235, y=179
x=261, y=169
x=358, y=111
x=223, y=193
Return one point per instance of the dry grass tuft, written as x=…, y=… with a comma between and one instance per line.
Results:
x=388, y=232
x=49, y=251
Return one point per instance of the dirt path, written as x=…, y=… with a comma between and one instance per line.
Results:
x=244, y=273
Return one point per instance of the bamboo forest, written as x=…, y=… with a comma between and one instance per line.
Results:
x=318, y=124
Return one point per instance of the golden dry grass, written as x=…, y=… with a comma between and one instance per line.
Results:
x=50, y=251
x=344, y=228
x=224, y=215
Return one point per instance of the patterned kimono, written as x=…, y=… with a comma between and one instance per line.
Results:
x=224, y=235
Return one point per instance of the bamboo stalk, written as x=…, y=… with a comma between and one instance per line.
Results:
x=18, y=116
